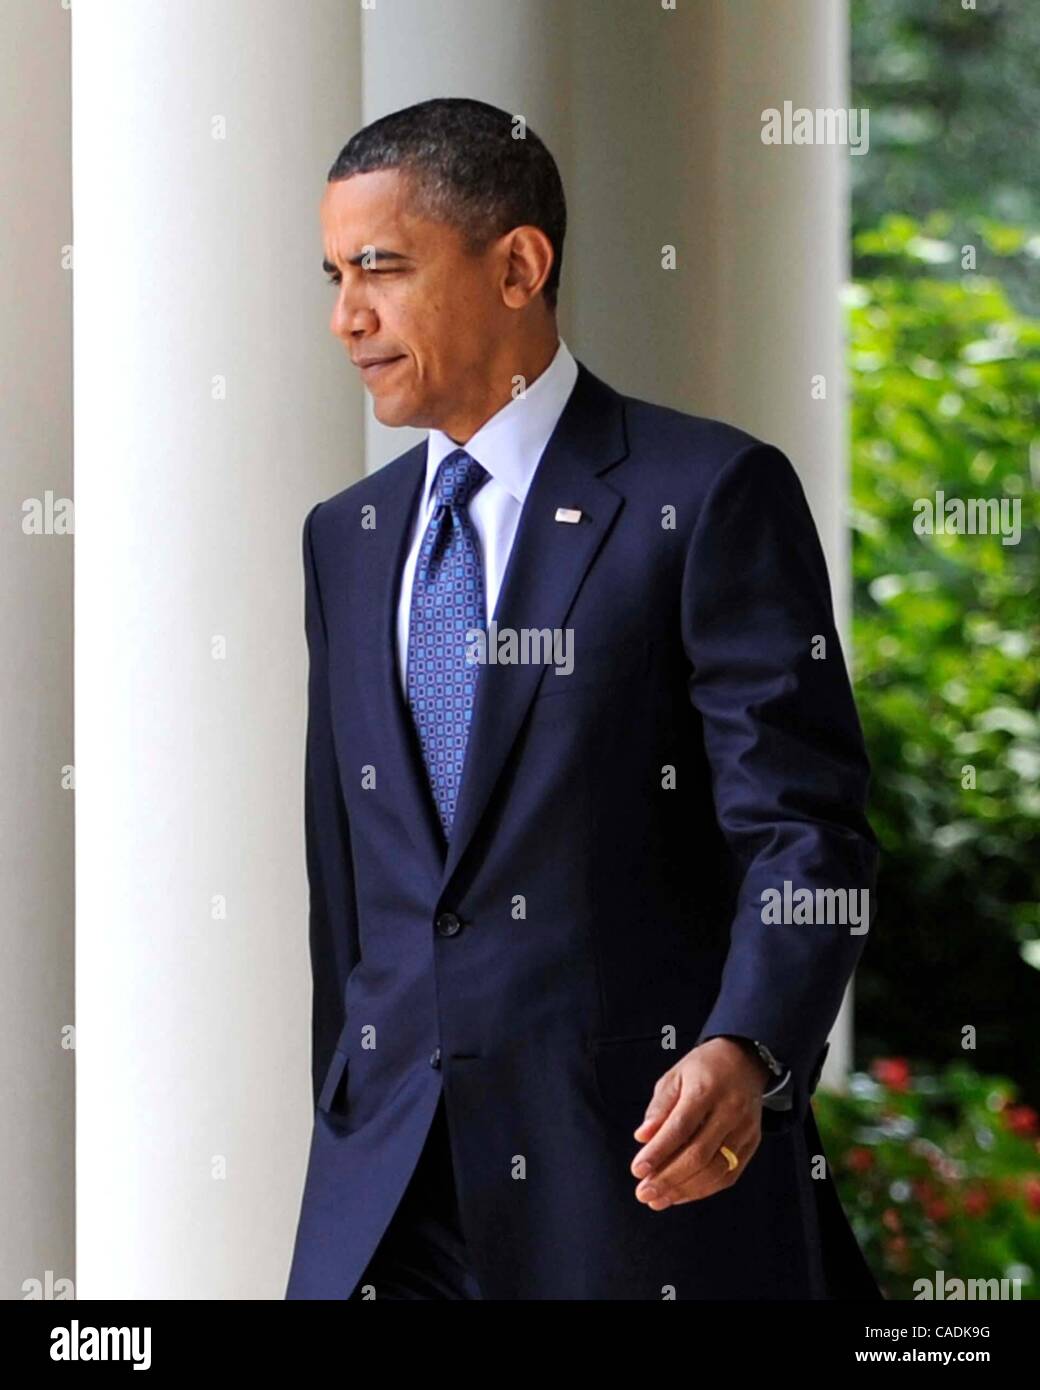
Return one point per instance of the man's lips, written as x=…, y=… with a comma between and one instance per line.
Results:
x=375, y=366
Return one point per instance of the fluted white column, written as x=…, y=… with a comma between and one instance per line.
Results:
x=212, y=409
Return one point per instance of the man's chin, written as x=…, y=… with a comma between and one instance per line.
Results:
x=391, y=411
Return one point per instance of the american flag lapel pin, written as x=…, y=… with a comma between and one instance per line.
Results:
x=568, y=514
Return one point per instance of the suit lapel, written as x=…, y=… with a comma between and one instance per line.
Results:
x=402, y=765
x=548, y=562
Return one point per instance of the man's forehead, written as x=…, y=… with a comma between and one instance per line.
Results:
x=384, y=194
x=359, y=212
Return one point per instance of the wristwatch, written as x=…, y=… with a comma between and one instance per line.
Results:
x=777, y=1068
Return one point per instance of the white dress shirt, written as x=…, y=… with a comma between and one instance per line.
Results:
x=510, y=446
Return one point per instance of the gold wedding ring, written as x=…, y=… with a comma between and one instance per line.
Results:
x=732, y=1161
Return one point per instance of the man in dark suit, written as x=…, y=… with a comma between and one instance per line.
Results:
x=585, y=788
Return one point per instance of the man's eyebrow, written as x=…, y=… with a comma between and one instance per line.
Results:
x=375, y=253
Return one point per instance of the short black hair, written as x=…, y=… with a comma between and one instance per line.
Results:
x=468, y=169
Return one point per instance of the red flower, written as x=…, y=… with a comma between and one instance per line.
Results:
x=1021, y=1119
x=897, y=1251
x=893, y=1072
x=890, y=1219
x=1031, y=1192
x=924, y=1190
x=938, y=1210
x=860, y=1160
x=976, y=1201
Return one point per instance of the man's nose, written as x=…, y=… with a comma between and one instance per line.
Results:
x=351, y=317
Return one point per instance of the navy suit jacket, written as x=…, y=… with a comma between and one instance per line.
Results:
x=601, y=894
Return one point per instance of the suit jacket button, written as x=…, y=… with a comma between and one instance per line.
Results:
x=435, y=1059
x=448, y=924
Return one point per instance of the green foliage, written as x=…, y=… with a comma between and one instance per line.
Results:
x=945, y=381
x=953, y=96
x=936, y=1172
x=945, y=376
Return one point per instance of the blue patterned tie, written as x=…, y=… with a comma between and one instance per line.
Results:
x=447, y=603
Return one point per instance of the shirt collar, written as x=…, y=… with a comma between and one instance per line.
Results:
x=510, y=444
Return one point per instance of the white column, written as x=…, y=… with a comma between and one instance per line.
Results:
x=666, y=151
x=37, y=1137
x=213, y=408
x=781, y=232
x=511, y=53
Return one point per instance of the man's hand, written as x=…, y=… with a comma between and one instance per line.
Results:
x=711, y=1097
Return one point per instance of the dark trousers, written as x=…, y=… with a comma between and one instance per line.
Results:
x=423, y=1252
